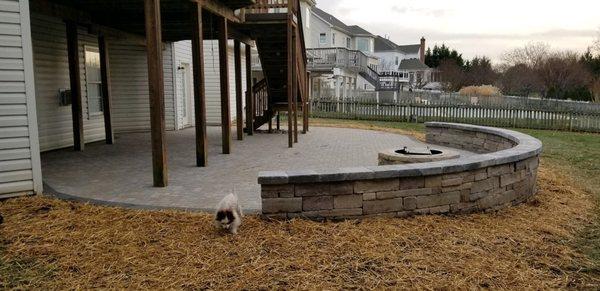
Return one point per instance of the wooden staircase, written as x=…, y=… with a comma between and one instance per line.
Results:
x=276, y=27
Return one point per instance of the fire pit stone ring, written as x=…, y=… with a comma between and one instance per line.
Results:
x=409, y=155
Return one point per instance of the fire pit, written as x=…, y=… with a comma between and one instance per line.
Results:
x=409, y=155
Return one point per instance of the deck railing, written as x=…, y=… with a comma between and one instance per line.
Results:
x=271, y=6
x=329, y=58
x=261, y=98
x=326, y=59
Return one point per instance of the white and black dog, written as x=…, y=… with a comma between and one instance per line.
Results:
x=229, y=214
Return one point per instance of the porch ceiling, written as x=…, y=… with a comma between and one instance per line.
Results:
x=128, y=15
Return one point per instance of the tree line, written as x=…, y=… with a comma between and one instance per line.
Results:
x=532, y=70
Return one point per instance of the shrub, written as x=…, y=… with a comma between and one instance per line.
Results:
x=482, y=91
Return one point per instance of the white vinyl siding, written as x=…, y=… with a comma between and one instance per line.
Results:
x=183, y=55
x=213, y=89
x=130, y=93
x=52, y=74
x=212, y=78
x=20, y=171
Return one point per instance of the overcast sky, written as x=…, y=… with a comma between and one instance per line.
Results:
x=475, y=27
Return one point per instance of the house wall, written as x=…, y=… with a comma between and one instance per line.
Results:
x=49, y=36
x=387, y=60
x=183, y=52
x=20, y=170
x=340, y=39
x=306, y=13
x=370, y=40
x=183, y=55
x=363, y=84
x=318, y=26
x=412, y=56
x=128, y=72
x=130, y=93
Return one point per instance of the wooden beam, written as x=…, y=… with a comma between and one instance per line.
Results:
x=224, y=76
x=156, y=88
x=217, y=7
x=106, y=89
x=64, y=12
x=75, y=81
x=249, y=95
x=199, y=87
x=290, y=69
x=239, y=104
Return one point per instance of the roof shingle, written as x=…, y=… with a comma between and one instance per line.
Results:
x=353, y=30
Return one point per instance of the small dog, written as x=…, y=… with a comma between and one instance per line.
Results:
x=229, y=214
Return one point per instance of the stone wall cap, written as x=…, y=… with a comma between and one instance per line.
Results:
x=525, y=147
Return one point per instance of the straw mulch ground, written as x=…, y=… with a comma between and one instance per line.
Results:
x=45, y=243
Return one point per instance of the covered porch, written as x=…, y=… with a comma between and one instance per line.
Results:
x=150, y=25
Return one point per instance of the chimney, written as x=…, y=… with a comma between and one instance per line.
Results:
x=422, y=53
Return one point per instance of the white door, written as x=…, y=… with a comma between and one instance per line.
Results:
x=186, y=94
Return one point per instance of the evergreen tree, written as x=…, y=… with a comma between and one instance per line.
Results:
x=433, y=58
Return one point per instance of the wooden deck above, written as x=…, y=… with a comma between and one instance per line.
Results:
x=128, y=15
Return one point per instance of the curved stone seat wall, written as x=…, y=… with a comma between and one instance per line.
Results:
x=504, y=173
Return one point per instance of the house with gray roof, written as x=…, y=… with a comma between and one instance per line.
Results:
x=339, y=55
x=406, y=62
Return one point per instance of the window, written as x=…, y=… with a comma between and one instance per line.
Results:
x=347, y=42
x=333, y=39
x=323, y=38
x=363, y=44
x=93, y=81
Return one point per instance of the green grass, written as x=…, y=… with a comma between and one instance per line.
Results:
x=576, y=154
x=23, y=274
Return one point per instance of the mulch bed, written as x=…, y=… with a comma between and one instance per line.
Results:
x=51, y=244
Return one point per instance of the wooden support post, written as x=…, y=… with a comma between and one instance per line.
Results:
x=271, y=125
x=199, y=88
x=278, y=122
x=156, y=88
x=224, y=75
x=106, y=98
x=290, y=69
x=239, y=104
x=305, y=103
x=295, y=78
x=75, y=81
x=249, y=97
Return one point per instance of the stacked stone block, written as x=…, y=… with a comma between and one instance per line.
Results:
x=477, y=190
x=497, y=180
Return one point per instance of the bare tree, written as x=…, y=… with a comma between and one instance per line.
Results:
x=452, y=75
x=596, y=45
x=560, y=72
x=595, y=88
x=531, y=54
x=519, y=80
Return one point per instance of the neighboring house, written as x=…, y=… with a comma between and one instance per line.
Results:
x=405, y=63
x=71, y=74
x=339, y=55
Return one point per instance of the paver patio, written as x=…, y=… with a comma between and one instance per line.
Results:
x=122, y=173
